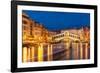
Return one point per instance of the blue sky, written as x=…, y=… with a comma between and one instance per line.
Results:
x=60, y=20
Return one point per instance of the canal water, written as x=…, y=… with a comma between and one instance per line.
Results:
x=56, y=52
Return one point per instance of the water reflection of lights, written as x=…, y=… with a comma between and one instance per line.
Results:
x=72, y=50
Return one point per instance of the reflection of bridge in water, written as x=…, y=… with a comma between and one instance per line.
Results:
x=65, y=46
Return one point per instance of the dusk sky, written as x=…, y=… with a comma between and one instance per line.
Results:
x=59, y=20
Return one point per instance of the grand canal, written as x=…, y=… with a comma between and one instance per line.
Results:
x=56, y=51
